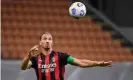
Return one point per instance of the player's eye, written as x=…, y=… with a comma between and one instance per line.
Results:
x=44, y=38
x=50, y=38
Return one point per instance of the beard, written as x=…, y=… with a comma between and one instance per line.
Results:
x=47, y=49
x=46, y=46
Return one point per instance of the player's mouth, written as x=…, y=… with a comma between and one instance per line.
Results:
x=47, y=45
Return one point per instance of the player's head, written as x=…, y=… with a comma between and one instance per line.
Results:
x=46, y=40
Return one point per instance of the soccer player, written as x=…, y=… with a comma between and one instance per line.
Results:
x=49, y=64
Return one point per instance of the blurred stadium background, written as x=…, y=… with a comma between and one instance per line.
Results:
x=105, y=34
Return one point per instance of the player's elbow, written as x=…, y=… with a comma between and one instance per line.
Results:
x=80, y=63
x=23, y=67
x=83, y=65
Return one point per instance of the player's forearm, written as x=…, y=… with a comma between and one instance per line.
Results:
x=89, y=63
x=25, y=62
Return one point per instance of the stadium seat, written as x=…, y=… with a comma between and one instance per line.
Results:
x=24, y=22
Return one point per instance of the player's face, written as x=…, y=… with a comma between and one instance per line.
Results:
x=46, y=41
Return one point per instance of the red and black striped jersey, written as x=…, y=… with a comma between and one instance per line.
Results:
x=50, y=67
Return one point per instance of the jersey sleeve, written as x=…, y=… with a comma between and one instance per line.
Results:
x=63, y=58
x=33, y=61
x=70, y=60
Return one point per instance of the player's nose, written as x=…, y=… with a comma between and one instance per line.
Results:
x=47, y=42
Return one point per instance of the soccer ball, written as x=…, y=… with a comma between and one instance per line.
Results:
x=77, y=10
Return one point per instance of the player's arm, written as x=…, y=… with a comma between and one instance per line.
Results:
x=87, y=63
x=26, y=63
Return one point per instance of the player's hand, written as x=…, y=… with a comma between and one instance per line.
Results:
x=33, y=50
x=103, y=64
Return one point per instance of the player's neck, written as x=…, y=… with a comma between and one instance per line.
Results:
x=46, y=51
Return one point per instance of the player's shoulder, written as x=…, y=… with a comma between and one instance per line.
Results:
x=62, y=53
x=58, y=52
